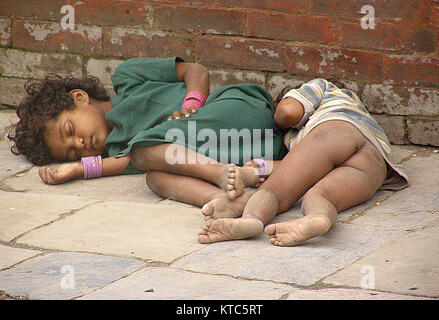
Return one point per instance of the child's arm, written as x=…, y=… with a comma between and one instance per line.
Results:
x=298, y=104
x=196, y=78
x=70, y=171
x=289, y=112
x=195, y=75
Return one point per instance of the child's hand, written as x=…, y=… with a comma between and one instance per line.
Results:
x=184, y=112
x=61, y=174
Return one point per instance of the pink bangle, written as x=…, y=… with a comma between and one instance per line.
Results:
x=194, y=98
x=263, y=167
x=92, y=167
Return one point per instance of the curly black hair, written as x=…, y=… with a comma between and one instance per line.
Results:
x=45, y=100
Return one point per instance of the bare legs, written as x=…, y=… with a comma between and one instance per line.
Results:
x=213, y=200
x=334, y=167
x=176, y=159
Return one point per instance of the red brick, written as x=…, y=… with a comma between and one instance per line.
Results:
x=197, y=3
x=92, y=12
x=434, y=15
x=31, y=9
x=291, y=27
x=34, y=35
x=412, y=70
x=218, y=21
x=273, y=5
x=324, y=7
x=241, y=53
x=391, y=10
x=386, y=36
x=125, y=42
x=111, y=13
x=340, y=63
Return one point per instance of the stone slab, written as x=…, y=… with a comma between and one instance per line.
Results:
x=121, y=187
x=408, y=221
x=403, y=209
x=7, y=119
x=10, y=255
x=409, y=265
x=147, y=231
x=155, y=283
x=22, y=212
x=348, y=294
x=301, y=265
x=11, y=164
x=65, y=275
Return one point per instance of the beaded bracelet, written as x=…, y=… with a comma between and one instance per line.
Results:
x=193, y=99
x=263, y=167
x=92, y=167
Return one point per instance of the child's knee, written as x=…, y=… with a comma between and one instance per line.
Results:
x=152, y=181
x=139, y=157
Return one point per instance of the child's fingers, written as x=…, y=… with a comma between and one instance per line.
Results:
x=193, y=110
x=50, y=176
x=185, y=113
x=42, y=173
x=176, y=115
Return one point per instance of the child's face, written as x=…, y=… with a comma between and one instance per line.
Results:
x=79, y=132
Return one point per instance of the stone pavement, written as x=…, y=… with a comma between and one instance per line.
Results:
x=112, y=238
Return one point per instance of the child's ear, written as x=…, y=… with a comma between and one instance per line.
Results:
x=80, y=97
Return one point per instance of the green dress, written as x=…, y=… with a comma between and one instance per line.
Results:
x=234, y=126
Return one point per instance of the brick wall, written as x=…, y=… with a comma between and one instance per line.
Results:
x=393, y=67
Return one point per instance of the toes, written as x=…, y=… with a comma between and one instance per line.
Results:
x=270, y=229
x=207, y=209
x=232, y=194
x=203, y=239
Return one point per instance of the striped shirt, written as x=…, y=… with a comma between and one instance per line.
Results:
x=323, y=101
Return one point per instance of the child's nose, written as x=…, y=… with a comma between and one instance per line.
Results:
x=79, y=143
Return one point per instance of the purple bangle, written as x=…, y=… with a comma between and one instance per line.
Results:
x=92, y=167
x=263, y=167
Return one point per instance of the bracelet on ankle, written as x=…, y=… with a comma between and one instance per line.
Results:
x=92, y=167
x=263, y=167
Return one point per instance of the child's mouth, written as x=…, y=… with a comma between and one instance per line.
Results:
x=92, y=146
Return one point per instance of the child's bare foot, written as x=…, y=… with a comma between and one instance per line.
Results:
x=222, y=207
x=239, y=179
x=294, y=232
x=229, y=229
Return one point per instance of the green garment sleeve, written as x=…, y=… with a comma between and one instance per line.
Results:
x=136, y=71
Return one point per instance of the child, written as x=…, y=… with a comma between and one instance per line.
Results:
x=68, y=119
x=338, y=158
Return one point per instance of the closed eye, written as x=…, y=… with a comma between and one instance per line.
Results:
x=70, y=128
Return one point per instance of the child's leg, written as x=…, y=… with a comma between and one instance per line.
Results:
x=326, y=147
x=352, y=183
x=196, y=192
x=187, y=162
